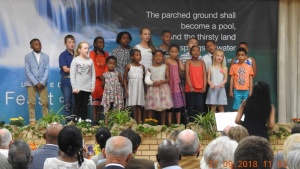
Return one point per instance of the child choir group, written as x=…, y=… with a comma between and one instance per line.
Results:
x=151, y=79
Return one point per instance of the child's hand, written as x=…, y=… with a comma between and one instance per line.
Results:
x=126, y=94
x=212, y=86
x=156, y=83
x=250, y=93
x=231, y=94
x=92, y=90
x=192, y=89
x=76, y=91
x=203, y=90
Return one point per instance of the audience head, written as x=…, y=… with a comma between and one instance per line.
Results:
x=188, y=142
x=118, y=150
x=102, y=135
x=296, y=129
x=293, y=157
x=173, y=136
x=70, y=142
x=168, y=153
x=237, y=133
x=52, y=132
x=6, y=138
x=220, y=150
x=19, y=155
x=289, y=142
x=226, y=130
x=133, y=137
x=253, y=150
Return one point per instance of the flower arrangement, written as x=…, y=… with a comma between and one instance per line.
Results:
x=152, y=122
x=19, y=121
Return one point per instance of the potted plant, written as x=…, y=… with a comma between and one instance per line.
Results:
x=208, y=124
x=119, y=120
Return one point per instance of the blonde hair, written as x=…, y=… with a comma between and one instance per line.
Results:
x=79, y=47
x=214, y=57
x=237, y=133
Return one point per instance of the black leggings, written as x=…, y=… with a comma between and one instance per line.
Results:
x=194, y=101
x=81, y=104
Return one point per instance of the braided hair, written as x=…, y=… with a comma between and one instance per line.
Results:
x=70, y=142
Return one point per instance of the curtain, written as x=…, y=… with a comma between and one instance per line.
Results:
x=288, y=60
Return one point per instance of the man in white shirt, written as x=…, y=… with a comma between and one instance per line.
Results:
x=6, y=141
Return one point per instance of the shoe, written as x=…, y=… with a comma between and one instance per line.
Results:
x=32, y=123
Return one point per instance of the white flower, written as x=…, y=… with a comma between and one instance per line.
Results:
x=88, y=120
x=79, y=120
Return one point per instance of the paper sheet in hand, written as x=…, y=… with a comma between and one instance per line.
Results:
x=225, y=119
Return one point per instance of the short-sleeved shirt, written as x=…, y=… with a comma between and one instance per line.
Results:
x=241, y=74
x=65, y=59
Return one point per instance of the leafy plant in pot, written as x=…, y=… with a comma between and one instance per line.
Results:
x=119, y=119
x=208, y=123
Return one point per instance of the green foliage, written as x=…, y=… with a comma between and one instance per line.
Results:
x=118, y=116
x=282, y=133
x=208, y=124
x=52, y=117
x=145, y=130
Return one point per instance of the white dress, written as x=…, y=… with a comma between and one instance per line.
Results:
x=55, y=163
x=136, y=95
x=146, y=56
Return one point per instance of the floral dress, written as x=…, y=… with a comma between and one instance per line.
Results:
x=158, y=98
x=113, y=92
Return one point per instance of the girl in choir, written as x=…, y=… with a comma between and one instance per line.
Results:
x=112, y=81
x=176, y=67
x=82, y=76
x=158, y=97
x=146, y=47
x=217, y=78
x=98, y=55
x=134, y=84
x=122, y=52
x=195, y=83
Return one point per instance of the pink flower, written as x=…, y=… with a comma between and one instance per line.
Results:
x=221, y=70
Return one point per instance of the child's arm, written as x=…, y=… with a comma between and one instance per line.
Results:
x=181, y=65
x=93, y=77
x=231, y=87
x=120, y=78
x=211, y=85
x=250, y=85
x=187, y=74
x=102, y=80
x=254, y=67
x=144, y=74
x=127, y=68
x=225, y=77
x=73, y=76
x=167, y=76
x=204, y=75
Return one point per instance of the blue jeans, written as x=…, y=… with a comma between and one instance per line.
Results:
x=69, y=101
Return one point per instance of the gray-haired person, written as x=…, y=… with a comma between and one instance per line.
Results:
x=19, y=155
